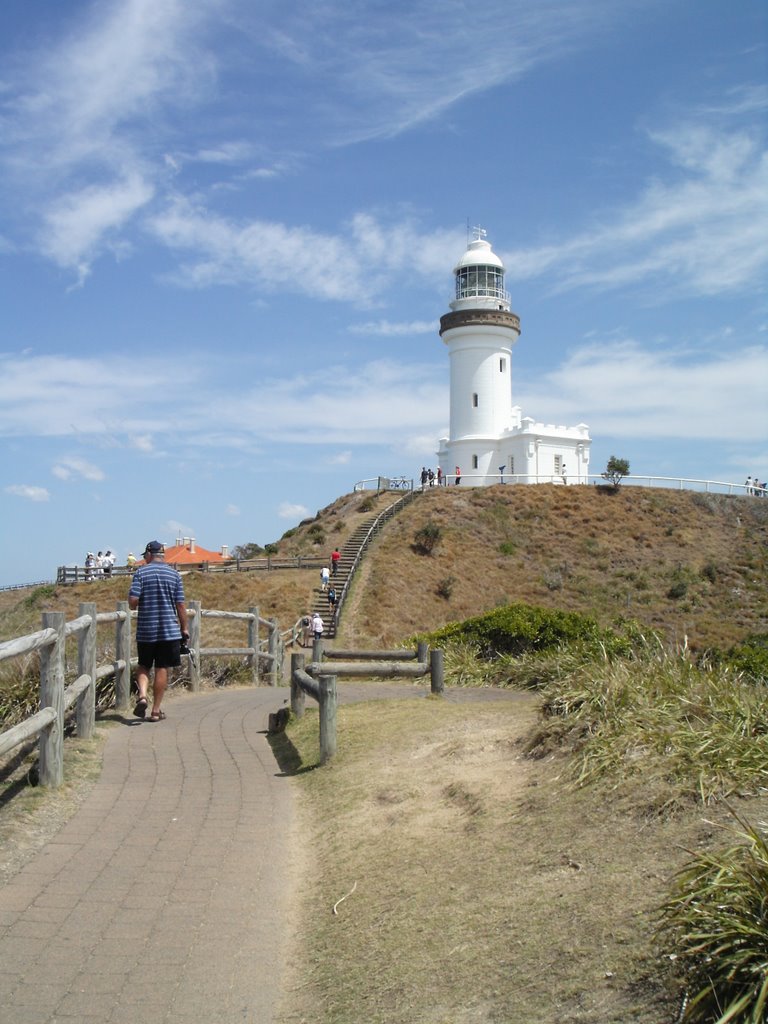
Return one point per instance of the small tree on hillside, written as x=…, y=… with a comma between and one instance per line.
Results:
x=426, y=538
x=616, y=470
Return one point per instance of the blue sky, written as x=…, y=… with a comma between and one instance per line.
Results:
x=229, y=227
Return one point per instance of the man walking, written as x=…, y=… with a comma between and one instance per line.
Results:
x=158, y=594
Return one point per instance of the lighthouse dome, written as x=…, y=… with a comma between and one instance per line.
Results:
x=480, y=278
x=479, y=252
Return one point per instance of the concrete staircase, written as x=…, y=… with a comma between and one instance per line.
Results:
x=351, y=553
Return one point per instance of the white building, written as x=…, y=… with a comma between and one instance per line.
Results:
x=489, y=438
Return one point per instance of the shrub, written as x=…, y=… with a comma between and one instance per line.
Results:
x=367, y=504
x=518, y=629
x=678, y=590
x=445, y=587
x=426, y=538
x=507, y=547
x=716, y=923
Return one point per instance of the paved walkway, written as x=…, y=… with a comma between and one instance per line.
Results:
x=162, y=899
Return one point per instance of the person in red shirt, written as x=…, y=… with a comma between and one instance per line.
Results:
x=335, y=559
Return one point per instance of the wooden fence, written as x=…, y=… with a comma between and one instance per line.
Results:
x=69, y=574
x=318, y=679
x=56, y=698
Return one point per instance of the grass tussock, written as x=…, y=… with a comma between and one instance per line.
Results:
x=716, y=923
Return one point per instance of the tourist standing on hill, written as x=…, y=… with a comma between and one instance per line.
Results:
x=158, y=593
x=335, y=559
x=439, y=476
x=332, y=600
x=317, y=625
x=325, y=575
x=458, y=475
x=306, y=630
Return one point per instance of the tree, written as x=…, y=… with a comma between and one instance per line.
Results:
x=246, y=551
x=616, y=470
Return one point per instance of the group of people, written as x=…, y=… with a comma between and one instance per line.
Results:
x=432, y=477
x=99, y=565
x=311, y=628
x=754, y=487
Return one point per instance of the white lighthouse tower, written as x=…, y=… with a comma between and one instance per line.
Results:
x=489, y=440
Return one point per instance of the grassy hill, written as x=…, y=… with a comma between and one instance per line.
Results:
x=687, y=564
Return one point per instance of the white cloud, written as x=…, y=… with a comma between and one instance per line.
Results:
x=341, y=459
x=76, y=224
x=387, y=329
x=28, y=491
x=623, y=390
x=288, y=511
x=73, y=465
x=704, y=231
x=232, y=510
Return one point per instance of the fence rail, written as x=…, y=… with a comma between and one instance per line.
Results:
x=668, y=482
x=56, y=698
x=318, y=679
x=66, y=575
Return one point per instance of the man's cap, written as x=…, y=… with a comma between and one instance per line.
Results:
x=154, y=546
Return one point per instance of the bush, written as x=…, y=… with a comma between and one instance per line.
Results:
x=426, y=539
x=716, y=926
x=445, y=587
x=367, y=504
x=518, y=629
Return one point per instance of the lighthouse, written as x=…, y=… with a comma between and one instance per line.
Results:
x=489, y=440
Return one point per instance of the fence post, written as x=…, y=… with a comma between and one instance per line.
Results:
x=253, y=641
x=422, y=652
x=86, y=665
x=52, y=696
x=256, y=642
x=327, y=718
x=297, y=694
x=195, y=626
x=123, y=653
x=273, y=648
x=436, y=670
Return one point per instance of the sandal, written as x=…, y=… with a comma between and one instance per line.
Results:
x=140, y=711
x=157, y=716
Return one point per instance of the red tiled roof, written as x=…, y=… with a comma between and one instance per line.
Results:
x=180, y=554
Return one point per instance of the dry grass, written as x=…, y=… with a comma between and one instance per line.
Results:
x=610, y=555
x=488, y=889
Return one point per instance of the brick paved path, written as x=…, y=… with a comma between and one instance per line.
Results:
x=161, y=899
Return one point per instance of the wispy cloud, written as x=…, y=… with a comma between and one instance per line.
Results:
x=388, y=329
x=74, y=466
x=28, y=491
x=623, y=390
x=289, y=511
x=703, y=230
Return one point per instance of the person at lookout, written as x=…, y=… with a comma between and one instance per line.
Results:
x=157, y=592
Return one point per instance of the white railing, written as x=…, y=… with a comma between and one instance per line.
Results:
x=668, y=482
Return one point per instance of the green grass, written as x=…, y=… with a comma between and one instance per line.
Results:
x=715, y=922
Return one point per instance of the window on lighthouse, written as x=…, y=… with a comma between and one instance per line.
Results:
x=475, y=400
x=502, y=365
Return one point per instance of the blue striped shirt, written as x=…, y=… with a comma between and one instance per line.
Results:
x=159, y=589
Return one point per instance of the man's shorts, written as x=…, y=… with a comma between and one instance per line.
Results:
x=161, y=653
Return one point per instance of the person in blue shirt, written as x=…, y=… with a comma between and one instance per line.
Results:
x=157, y=592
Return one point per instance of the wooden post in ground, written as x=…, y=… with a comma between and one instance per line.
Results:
x=123, y=653
x=256, y=668
x=86, y=665
x=327, y=718
x=195, y=626
x=253, y=641
x=274, y=650
x=297, y=694
x=422, y=652
x=436, y=670
x=52, y=696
